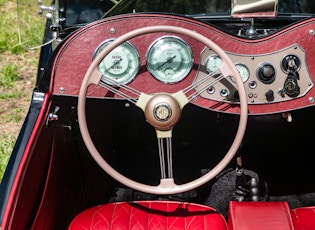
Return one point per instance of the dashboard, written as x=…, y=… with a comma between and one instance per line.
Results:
x=277, y=71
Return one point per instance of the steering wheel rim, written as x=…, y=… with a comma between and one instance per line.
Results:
x=166, y=186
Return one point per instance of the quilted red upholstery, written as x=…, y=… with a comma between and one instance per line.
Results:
x=149, y=215
x=259, y=216
x=303, y=218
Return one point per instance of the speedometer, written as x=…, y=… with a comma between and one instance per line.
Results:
x=121, y=65
x=169, y=59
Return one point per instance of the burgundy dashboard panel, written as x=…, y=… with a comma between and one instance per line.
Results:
x=265, y=65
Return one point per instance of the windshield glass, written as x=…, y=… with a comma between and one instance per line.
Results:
x=76, y=11
x=296, y=7
x=65, y=15
x=85, y=11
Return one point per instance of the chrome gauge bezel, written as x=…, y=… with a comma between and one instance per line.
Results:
x=169, y=59
x=121, y=65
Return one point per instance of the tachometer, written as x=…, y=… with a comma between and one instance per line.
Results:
x=169, y=59
x=121, y=65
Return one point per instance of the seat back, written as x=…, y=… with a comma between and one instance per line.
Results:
x=149, y=215
x=259, y=216
x=303, y=218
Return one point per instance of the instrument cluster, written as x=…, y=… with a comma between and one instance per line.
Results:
x=272, y=77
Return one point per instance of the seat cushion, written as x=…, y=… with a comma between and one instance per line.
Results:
x=303, y=218
x=149, y=215
x=259, y=216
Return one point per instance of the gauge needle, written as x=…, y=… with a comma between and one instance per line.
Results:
x=114, y=63
x=169, y=59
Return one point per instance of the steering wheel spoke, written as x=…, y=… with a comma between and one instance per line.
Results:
x=143, y=100
x=181, y=98
x=95, y=78
x=166, y=184
x=166, y=160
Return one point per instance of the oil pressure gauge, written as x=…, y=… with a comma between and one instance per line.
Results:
x=169, y=59
x=121, y=65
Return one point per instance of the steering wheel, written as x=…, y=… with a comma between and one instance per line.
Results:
x=162, y=110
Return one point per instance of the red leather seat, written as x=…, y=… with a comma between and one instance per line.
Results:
x=149, y=215
x=259, y=216
x=303, y=218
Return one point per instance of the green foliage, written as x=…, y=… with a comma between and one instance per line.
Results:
x=14, y=67
x=6, y=147
x=29, y=24
x=16, y=94
x=8, y=75
x=8, y=35
x=14, y=115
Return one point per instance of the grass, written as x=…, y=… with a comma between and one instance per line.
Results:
x=9, y=75
x=18, y=67
x=6, y=146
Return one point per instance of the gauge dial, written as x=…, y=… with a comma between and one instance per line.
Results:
x=243, y=71
x=169, y=59
x=121, y=65
x=213, y=63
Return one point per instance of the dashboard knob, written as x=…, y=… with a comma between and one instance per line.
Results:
x=266, y=73
x=269, y=95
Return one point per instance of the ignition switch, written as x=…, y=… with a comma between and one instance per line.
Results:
x=291, y=86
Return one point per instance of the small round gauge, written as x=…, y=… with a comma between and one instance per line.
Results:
x=169, y=59
x=121, y=65
x=213, y=63
x=243, y=71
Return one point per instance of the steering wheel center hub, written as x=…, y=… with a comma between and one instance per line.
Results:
x=162, y=111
